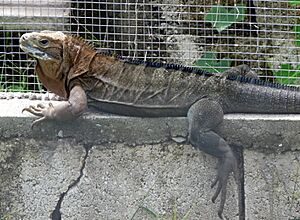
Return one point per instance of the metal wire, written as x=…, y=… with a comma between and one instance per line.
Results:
x=267, y=38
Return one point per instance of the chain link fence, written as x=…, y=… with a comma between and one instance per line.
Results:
x=213, y=35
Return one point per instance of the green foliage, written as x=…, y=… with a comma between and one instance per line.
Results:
x=287, y=74
x=222, y=17
x=294, y=2
x=210, y=63
x=21, y=86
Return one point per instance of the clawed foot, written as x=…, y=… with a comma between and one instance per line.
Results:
x=226, y=165
x=41, y=111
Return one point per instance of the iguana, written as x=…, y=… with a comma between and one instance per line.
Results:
x=70, y=67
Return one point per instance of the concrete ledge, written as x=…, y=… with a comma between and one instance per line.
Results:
x=267, y=133
x=112, y=167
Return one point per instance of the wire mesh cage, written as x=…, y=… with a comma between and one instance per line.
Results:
x=213, y=35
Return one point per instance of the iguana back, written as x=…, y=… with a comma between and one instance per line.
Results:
x=144, y=89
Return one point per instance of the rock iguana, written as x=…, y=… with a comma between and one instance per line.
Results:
x=72, y=68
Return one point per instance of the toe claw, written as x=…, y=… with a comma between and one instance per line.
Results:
x=40, y=110
x=225, y=167
x=41, y=106
x=214, y=182
x=215, y=196
x=24, y=109
x=33, y=111
x=34, y=123
x=220, y=214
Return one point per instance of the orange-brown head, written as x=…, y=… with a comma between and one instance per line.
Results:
x=44, y=45
x=60, y=58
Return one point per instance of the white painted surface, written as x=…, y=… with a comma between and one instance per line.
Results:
x=40, y=14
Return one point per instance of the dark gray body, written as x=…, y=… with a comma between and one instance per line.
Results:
x=137, y=90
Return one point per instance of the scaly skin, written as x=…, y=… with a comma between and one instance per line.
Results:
x=71, y=68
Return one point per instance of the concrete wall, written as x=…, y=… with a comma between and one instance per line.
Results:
x=33, y=14
x=111, y=167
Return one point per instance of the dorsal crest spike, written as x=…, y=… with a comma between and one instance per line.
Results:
x=249, y=80
x=195, y=70
x=82, y=41
x=172, y=66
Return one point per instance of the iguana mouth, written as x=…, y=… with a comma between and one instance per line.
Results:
x=35, y=52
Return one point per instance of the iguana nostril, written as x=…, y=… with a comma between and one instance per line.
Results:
x=27, y=36
x=23, y=37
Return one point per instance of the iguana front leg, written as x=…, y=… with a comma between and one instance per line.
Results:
x=65, y=110
x=203, y=117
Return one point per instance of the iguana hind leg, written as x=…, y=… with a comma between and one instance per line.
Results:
x=203, y=117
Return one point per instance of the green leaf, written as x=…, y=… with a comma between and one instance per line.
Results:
x=174, y=216
x=297, y=32
x=154, y=215
x=222, y=17
x=287, y=74
x=210, y=63
x=294, y=2
x=16, y=88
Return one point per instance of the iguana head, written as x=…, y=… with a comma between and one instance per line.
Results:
x=45, y=45
x=60, y=58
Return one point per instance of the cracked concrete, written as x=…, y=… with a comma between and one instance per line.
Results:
x=118, y=179
x=111, y=167
x=35, y=174
x=56, y=214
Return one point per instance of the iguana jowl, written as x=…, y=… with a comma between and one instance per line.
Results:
x=71, y=68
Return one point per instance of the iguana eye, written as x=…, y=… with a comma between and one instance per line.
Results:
x=44, y=42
